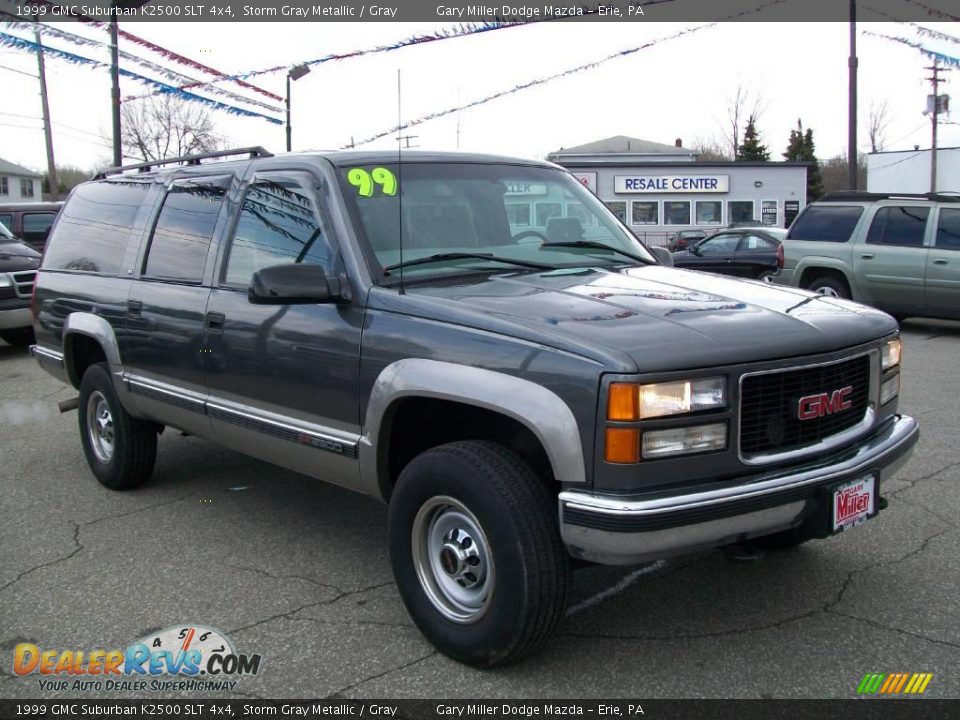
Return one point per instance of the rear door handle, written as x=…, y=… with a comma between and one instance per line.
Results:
x=940, y=261
x=215, y=321
x=867, y=256
x=134, y=308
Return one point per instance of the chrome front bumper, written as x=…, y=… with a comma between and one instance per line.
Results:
x=616, y=530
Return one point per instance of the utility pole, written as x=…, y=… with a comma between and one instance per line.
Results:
x=115, y=91
x=934, y=119
x=45, y=110
x=852, y=109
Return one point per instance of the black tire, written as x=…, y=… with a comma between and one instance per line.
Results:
x=18, y=337
x=830, y=285
x=126, y=461
x=782, y=540
x=766, y=276
x=522, y=586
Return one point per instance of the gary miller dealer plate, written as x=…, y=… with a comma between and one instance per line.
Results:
x=853, y=502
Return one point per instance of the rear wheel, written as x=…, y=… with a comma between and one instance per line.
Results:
x=18, y=337
x=476, y=553
x=120, y=449
x=766, y=276
x=830, y=286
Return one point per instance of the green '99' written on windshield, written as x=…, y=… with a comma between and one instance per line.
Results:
x=368, y=182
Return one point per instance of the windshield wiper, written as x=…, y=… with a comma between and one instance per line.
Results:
x=441, y=257
x=596, y=246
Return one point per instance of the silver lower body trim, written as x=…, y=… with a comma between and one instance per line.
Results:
x=614, y=530
x=51, y=361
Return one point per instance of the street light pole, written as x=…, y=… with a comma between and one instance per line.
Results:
x=294, y=73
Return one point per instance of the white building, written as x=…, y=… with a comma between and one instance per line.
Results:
x=659, y=189
x=18, y=183
x=908, y=171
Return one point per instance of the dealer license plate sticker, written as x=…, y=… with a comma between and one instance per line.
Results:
x=853, y=502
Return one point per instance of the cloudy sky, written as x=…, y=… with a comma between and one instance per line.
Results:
x=678, y=88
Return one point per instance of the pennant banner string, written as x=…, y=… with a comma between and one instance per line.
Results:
x=17, y=43
x=170, y=75
x=168, y=54
x=949, y=60
x=458, y=31
x=564, y=73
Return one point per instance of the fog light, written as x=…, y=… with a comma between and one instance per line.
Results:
x=890, y=389
x=684, y=441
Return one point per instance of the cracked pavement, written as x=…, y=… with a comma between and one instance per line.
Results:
x=298, y=571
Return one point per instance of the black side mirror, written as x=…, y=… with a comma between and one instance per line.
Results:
x=292, y=284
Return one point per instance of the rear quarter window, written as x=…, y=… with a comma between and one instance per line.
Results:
x=94, y=229
x=826, y=223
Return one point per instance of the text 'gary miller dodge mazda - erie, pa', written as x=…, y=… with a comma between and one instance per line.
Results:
x=518, y=394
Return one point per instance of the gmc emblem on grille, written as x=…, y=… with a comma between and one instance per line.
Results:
x=811, y=407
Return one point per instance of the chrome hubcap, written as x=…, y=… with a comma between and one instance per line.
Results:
x=828, y=291
x=100, y=426
x=452, y=559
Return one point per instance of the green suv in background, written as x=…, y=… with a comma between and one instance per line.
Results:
x=900, y=253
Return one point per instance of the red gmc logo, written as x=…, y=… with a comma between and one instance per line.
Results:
x=811, y=407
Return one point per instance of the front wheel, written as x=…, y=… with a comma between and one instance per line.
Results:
x=120, y=449
x=476, y=553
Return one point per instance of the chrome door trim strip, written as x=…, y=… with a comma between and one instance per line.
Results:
x=279, y=427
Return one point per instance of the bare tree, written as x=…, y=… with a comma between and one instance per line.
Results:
x=163, y=126
x=709, y=149
x=741, y=104
x=877, y=123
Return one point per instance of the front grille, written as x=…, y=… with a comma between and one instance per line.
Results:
x=23, y=282
x=769, y=405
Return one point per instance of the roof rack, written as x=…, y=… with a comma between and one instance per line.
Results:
x=252, y=152
x=943, y=196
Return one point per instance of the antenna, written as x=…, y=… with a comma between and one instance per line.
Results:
x=400, y=178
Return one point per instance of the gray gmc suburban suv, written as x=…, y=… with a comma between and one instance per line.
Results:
x=478, y=342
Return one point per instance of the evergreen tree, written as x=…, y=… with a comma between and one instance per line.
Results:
x=801, y=148
x=752, y=148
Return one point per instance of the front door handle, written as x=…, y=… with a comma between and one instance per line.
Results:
x=215, y=321
x=867, y=256
x=940, y=261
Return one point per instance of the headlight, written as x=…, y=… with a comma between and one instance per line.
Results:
x=890, y=355
x=684, y=441
x=5, y=280
x=629, y=402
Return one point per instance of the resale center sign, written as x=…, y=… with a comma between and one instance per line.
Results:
x=671, y=183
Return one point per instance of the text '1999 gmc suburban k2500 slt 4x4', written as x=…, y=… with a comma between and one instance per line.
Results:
x=478, y=342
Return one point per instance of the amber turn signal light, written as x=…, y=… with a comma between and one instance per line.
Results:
x=623, y=402
x=622, y=445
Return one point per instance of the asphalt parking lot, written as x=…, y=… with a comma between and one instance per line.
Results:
x=298, y=571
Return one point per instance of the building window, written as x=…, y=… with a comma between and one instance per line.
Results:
x=618, y=208
x=518, y=214
x=26, y=187
x=4, y=186
x=709, y=212
x=740, y=211
x=676, y=212
x=547, y=210
x=645, y=212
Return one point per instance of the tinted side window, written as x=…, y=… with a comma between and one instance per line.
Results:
x=36, y=226
x=7, y=220
x=277, y=225
x=948, y=229
x=719, y=245
x=755, y=243
x=826, y=223
x=184, y=229
x=898, y=226
x=92, y=235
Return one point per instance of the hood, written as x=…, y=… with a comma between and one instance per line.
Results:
x=16, y=256
x=652, y=318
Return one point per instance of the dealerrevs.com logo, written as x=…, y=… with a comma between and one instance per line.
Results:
x=195, y=656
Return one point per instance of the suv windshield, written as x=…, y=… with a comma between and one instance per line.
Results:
x=513, y=213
